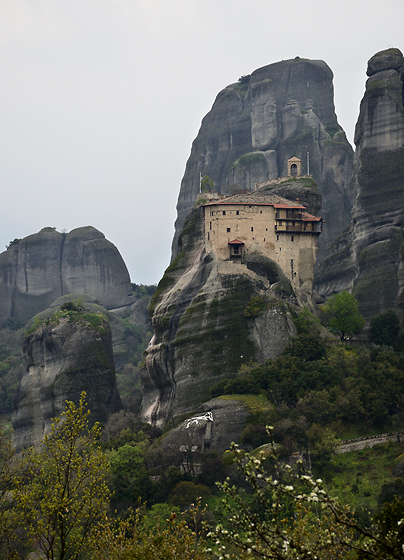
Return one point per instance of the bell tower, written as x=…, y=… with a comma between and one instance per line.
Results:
x=294, y=167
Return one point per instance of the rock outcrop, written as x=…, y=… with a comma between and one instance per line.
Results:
x=282, y=110
x=40, y=268
x=67, y=354
x=368, y=258
x=216, y=424
x=125, y=336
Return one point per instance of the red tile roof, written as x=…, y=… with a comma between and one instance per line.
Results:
x=306, y=217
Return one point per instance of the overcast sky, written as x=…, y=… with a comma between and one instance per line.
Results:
x=100, y=100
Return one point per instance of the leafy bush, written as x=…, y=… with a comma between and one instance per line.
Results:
x=306, y=322
x=255, y=307
x=385, y=329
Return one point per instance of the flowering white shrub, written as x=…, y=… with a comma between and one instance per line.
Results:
x=290, y=516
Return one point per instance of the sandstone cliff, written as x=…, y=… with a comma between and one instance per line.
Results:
x=38, y=269
x=367, y=259
x=69, y=353
x=211, y=316
x=282, y=110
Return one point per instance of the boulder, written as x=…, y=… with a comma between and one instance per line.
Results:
x=390, y=59
x=214, y=426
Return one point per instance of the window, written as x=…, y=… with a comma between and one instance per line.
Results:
x=224, y=212
x=264, y=238
x=291, y=238
x=277, y=237
x=236, y=250
x=208, y=236
x=228, y=230
x=260, y=211
x=237, y=212
x=210, y=225
x=252, y=229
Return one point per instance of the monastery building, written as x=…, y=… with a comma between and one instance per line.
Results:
x=270, y=225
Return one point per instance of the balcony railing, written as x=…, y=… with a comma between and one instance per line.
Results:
x=305, y=228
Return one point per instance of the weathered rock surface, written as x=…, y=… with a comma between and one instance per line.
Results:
x=200, y=330
x=124, y=337
x=216, y=424
x=63, y=359
x=282, y=110
x=40, y=268
x=367, y=259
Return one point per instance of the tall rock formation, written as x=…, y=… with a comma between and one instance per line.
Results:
x=67, y=354
x=368, y=258
x=282, y=110
x=210, y=315
x=40, y=268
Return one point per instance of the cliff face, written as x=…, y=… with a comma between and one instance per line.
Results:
x=40, y=268
x=211, y=316
x=367, y=258
x=64, y=357
x=282, y=110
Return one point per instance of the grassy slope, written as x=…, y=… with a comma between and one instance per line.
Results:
x=358, y=476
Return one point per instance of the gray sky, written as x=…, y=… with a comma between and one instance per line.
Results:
x=100, y=100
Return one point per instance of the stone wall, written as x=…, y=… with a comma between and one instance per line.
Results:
x=254, y=225
x=357, y=444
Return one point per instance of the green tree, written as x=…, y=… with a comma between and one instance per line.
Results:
x=385, y=328
x=130, y=479
x=132, y=539
x=67, y=492
x=11, y=538
x=307, y=323
x=207, y=184
x=345, y=318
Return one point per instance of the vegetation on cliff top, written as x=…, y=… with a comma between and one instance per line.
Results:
x=74, y=312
